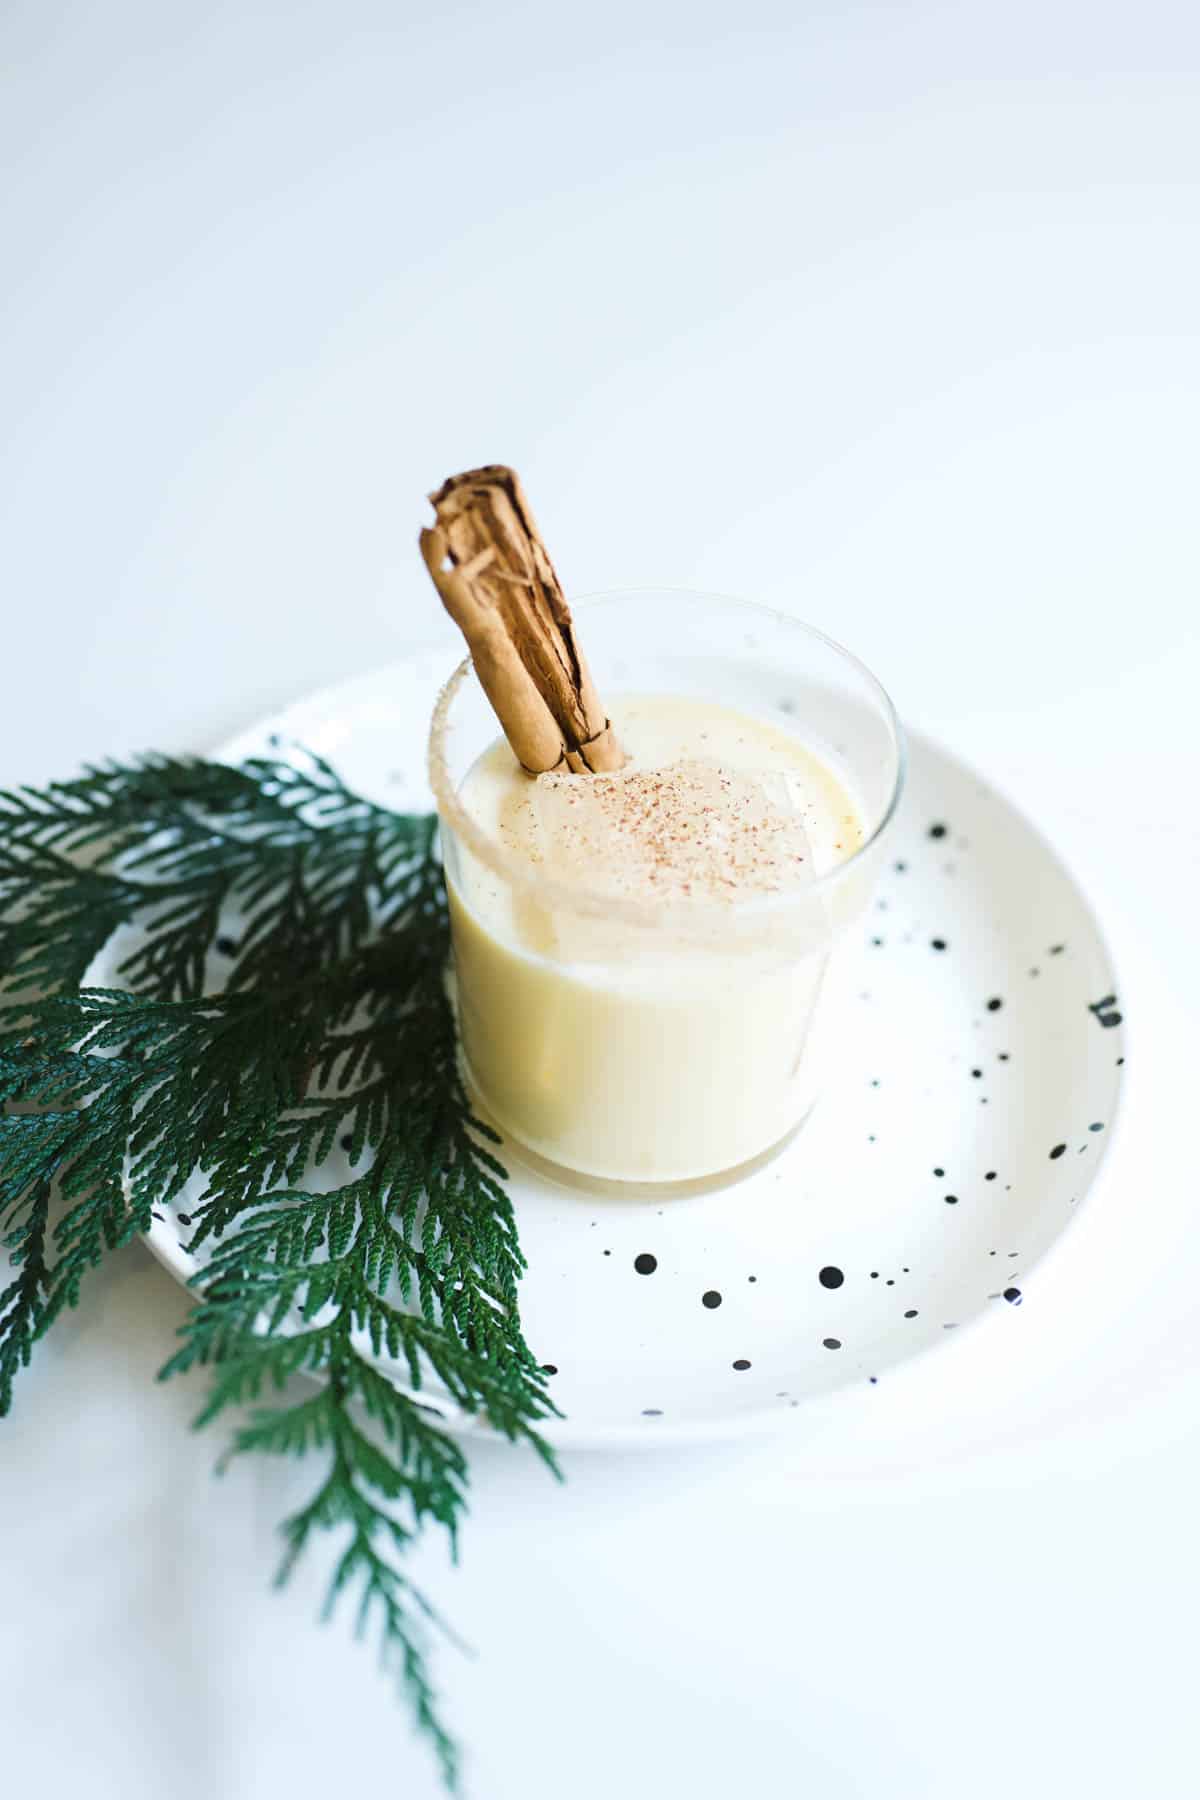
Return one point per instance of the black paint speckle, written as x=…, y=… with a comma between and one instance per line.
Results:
x=549, y=1369
x=939, y=1173
x=978, y=1074
x=608, y=1253
x=937, y=943
x=1003, y=1056
x=874, y=1274
x=645, y=1264
x=832, y=1343
x=226, y=946
x=184, y=1218
x=831, y=1277
x=1013, y=1296
x=911, y=1313
x=752, y=1278
x=900, y=867
x=995, y=1004
x=741, y=1363
x=937, y=831
x=877, y=942
x=711, y=1299
x=1096, y=1127
x=950, y=1199
x=1106, y=1011
x=1058, y=1150
x=1057, y=949
x=346, y=1142
x=990, y=1176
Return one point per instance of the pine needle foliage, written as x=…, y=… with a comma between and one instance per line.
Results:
x=282, y=1034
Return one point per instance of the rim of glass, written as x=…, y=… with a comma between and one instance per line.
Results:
x=568, y=896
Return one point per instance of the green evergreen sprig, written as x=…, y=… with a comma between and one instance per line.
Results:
x=284, y=1034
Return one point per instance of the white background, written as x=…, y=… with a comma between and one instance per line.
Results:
x=888, y=314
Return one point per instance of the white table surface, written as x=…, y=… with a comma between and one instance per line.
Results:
x=886, y=314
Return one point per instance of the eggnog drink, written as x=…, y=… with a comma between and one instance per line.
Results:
x=639, y=973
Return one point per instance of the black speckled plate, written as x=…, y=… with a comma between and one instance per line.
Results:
x=963, y=1132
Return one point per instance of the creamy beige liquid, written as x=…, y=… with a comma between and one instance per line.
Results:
x=632, y=1052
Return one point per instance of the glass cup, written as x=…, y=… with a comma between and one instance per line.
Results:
x=648, y=1042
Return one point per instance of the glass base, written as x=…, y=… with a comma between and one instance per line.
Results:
x=605, y=1186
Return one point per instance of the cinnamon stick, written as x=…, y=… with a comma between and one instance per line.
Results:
x=494, y=574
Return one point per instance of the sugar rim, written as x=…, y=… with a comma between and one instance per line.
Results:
x=571, y=897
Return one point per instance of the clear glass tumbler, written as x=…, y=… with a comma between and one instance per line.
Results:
x=636, y=1041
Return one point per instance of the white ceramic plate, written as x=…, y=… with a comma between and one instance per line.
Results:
x=961, y=1137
